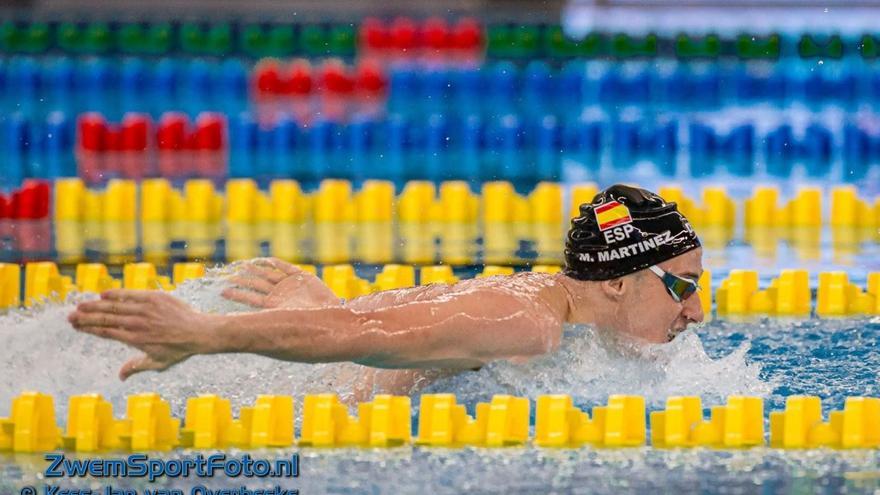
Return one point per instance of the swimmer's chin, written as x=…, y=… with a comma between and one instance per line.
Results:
x=653, y=340
x=672, y=334
x=657, y=339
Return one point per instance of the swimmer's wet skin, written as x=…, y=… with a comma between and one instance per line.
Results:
x=608, y=282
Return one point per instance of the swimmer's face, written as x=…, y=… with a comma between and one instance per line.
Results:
x=651, y=313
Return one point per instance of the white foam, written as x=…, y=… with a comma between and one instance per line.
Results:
x=590, y=367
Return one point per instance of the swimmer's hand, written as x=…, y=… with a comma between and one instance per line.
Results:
x=272, y=283
x=165, y=328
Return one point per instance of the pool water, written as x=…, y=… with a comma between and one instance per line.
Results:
x=773, y=358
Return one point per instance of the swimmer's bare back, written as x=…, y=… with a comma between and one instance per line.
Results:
x=457, y=326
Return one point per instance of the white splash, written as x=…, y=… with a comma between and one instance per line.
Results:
x=590, y=366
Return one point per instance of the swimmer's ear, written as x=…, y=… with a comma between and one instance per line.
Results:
x=614, y=288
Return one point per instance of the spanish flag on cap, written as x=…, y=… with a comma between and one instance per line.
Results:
x=612, y=214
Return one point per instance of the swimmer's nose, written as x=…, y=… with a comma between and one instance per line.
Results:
x=692, y=309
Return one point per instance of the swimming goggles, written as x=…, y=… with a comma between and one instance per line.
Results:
x=679, y=288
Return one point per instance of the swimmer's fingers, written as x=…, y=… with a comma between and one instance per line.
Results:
x=148, y=302
x=81, y=319
x=110, y=306
x=267, y=273
x=252, y=283
x=139, y=364
x=106, y=333
x=244, y=297
x=280, y=265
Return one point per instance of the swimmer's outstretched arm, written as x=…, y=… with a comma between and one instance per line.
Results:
x=462, y=330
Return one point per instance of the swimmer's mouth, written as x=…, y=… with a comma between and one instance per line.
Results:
x=671, y=334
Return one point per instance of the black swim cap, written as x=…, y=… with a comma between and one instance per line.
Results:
x=623, y=230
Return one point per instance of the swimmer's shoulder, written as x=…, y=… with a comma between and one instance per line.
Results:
x=542, y=289
x=526, y=281
x=428, y=292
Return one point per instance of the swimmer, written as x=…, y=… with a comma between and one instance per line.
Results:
x=632, y=262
